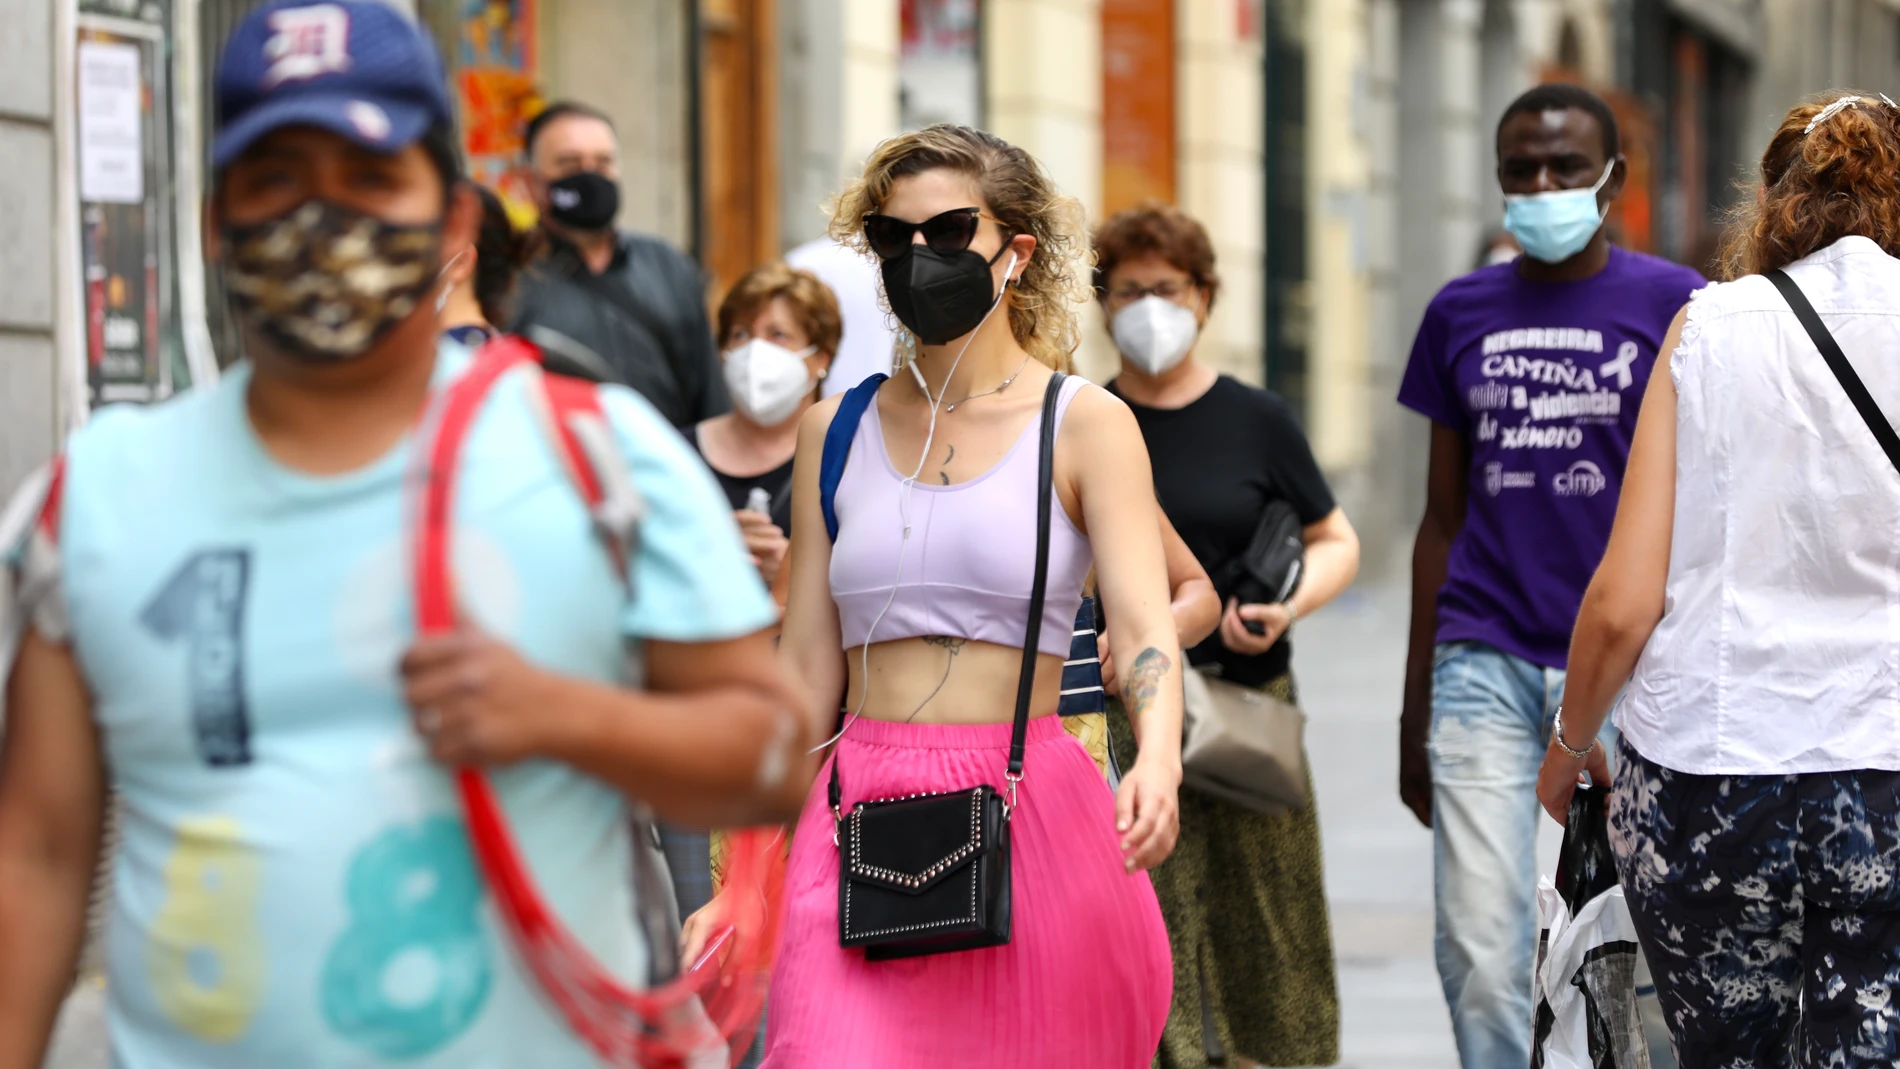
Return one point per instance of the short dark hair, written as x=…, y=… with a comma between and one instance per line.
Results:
x=560, y=109
x=501, y=251
x=1563, y=96
x=444, y=146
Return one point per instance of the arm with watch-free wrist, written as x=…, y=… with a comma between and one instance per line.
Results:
x=1625, y=599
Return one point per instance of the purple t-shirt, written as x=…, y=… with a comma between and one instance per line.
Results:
x=1543, y=379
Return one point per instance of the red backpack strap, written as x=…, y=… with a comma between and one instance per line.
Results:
x=583, y=438
x=445, y=429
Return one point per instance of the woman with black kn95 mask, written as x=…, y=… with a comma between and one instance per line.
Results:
x=960, y=858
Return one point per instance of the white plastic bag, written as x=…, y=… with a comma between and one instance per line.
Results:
x=1584, y=987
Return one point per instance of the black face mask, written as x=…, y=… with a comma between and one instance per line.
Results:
x=940, y=296
x=585, y=201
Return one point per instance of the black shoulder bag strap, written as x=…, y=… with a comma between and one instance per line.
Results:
x=1038, y=590
x=1870, y=412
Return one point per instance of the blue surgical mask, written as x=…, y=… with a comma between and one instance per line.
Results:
x=1555, y=226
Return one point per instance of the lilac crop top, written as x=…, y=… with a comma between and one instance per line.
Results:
x=968, y=565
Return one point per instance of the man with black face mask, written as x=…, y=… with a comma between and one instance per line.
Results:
x=211, y=603
x=631, y=306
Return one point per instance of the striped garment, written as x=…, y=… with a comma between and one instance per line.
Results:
x=1082, y=673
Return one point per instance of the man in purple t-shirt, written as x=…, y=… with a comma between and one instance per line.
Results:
x=1531, y=372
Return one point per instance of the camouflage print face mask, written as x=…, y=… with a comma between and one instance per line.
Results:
x=325, y=283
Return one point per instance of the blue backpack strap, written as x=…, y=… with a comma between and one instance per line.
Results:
x=844, y=427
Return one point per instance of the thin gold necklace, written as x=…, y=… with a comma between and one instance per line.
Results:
x=998, y=388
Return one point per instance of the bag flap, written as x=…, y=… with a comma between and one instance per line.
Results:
x=913, y=844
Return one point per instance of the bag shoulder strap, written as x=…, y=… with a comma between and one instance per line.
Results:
x=1039, y=588
x=1870, y=412
x=838, y=436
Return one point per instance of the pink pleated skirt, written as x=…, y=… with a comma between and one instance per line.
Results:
x=1085, y=979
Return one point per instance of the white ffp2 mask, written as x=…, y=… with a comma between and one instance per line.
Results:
x=1155, y=334
x=767, y=381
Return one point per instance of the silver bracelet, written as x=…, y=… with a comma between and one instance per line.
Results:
x=1557, y=736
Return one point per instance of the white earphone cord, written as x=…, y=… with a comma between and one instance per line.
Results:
x=910, y=481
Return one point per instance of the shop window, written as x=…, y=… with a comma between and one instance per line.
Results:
x=128, y=203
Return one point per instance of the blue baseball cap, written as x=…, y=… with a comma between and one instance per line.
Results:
x=357, y=68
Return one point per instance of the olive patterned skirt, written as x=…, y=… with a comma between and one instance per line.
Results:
x=1245, y=902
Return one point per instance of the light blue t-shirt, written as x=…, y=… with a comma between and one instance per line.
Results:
x=295, y=885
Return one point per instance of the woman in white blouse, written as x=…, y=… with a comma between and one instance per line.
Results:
x=1749, y=601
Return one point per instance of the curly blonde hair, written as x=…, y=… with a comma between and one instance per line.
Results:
x=1818, y=187
x=1016, y=190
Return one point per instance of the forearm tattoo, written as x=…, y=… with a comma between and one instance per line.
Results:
x=1144, y=680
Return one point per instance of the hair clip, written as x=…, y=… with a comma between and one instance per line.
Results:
x=1830, y=111
x=1889, y=101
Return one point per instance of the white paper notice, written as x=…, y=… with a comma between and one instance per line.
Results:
x=111, y=135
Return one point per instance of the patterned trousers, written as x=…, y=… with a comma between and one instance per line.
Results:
x=1769, y=910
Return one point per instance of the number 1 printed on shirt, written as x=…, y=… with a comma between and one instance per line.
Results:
x=202, y=606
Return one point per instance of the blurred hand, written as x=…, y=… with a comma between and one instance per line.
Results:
x=1415, y=764
x=764, y=541
x=1233, y=627
x=1148, y=814
x=1108, y=664
x=475, y=700
x=700, y=928
x=1558, y=779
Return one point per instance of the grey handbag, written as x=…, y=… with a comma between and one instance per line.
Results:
x=1242, y=745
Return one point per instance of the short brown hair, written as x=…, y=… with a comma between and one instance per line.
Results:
x=1817, y=188
x=1152, y=228
x=814, y=306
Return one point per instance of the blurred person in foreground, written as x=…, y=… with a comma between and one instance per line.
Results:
x=1244, y=891
x=1750, y=602
x=481, y=293
x=631, y=302
x=1530, y=372
x=208, y=602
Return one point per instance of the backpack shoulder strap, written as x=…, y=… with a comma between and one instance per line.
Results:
x=583, y=440
x=838, y=436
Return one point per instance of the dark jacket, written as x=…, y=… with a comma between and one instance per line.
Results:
x=642, y=323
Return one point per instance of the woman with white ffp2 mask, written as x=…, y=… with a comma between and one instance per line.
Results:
x=1253, y=955
x=778, y=329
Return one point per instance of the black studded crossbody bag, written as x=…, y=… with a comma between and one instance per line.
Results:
x=929, y=874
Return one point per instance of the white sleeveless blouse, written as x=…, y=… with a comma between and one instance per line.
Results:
x=1779, y=646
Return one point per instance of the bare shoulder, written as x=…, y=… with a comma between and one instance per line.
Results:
x=1097, y=419
x=816, y=421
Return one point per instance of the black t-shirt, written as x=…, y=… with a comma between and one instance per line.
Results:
x=1218, y=462
x=777, y=483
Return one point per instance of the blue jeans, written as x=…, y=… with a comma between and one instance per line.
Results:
x=1491, y=717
